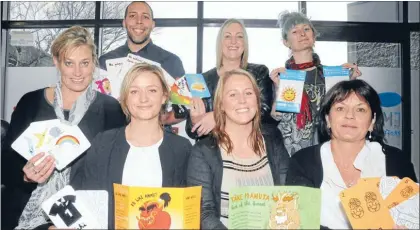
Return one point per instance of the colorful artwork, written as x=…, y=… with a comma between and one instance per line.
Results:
x=67, y=139
x=104, y=86
x=289, y=94
x=285, y=212
x=156, y=208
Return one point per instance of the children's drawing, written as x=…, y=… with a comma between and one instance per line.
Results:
x=153, y=214
x=67, y=139
x=289, y=94
x=104, y=86
x=285, y=214
x=30, y=146
x=41, y=138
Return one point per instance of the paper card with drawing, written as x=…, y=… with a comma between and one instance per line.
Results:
x=65, y=143
x=365, y=208
x=102, y=83
x=67, y=211
x=180, y=94
x=407, y=213
x=197, y=85
x=290, y=91
x=335, y=74
x=387, y=184
x=274, y=207
x=405, y=189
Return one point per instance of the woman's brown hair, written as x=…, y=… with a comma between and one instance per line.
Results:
x=222, y=138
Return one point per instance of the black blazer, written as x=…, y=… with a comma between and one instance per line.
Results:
x=205, y=168
x=104, y=164
x=305, y=167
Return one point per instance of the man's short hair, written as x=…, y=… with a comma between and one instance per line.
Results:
x=150, y=8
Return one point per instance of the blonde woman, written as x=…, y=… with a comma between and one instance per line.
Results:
x=73, y=101
x=232, y=52
x=237, y=153
x=142, y=153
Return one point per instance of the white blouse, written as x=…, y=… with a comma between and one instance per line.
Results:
x=142, y=166
x=371, y=163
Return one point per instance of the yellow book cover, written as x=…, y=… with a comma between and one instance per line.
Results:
x=157, y=208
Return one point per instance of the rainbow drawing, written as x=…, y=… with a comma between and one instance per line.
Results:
x=67, y=139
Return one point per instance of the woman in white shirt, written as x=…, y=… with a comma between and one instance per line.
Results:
x=351, y=121
x=142, y=153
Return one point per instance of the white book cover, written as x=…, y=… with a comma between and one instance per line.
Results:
x=113, y=66
x=67, y=211
x=64, y=142
x=335, y=74
x=290, y=91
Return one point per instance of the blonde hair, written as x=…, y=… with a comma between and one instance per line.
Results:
x=71, y=38
x=219, y=43
x=131, y=75
x=255, y=138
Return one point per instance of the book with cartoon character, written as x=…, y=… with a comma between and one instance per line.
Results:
x=290, y=91
x=64, y=142
x=274, y=207
x=335, y=74
x=157, y=208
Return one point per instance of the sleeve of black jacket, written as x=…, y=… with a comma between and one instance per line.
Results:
x=199, y=174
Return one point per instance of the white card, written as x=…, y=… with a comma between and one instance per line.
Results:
x=113, y=66
x=66, y=210
x=97, y=203
x=65, y=143
x=102, y=83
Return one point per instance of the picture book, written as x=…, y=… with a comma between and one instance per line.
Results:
x=290, y=90
x=335, y=74
x=157, y=208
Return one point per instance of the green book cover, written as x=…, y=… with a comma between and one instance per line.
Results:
x=274, y=207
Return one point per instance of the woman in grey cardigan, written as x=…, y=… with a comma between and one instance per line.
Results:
x=142, y=153
x=237, y=153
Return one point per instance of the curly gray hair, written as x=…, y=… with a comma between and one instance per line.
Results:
x=287, y=20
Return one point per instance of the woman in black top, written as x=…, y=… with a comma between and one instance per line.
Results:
x=232, y=53
x=73, y=101
x=114, y=154
x=237, y=153
x=352, y=121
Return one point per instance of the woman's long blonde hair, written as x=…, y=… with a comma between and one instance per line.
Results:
x=222, y=138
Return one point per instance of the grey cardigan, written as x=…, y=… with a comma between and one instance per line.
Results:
x=104, y=164
x=206, y=168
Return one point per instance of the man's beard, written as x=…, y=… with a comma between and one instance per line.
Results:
x=138, y=42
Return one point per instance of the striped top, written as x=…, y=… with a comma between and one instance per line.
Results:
x=238, y=172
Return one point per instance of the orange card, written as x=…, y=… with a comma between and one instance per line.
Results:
x=370, y=180
x=406, y=189
x=365, y=207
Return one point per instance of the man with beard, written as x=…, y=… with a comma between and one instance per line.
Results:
x=139, y=23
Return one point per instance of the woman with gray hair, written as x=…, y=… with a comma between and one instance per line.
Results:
x=299, y=35
x=232, y=52
x=73, y=101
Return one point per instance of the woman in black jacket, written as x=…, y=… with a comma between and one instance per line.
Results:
x=142, y=153
x=351, y=120
x=232, y=53
x=237, y=153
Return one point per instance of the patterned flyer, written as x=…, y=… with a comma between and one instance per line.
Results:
x=65, y=143
x=67, y=211
x=289, y=93
x=157, y=208
x=335, y=74
x=274, y=207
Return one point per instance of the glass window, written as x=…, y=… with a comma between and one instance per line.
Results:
x=415, y=98
x=116, y=10
x=51, y=10
x=414, y=11
x=353, y=11
x=254, y=10
x=181, y=41
x=39, y=53
x=271, y=52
